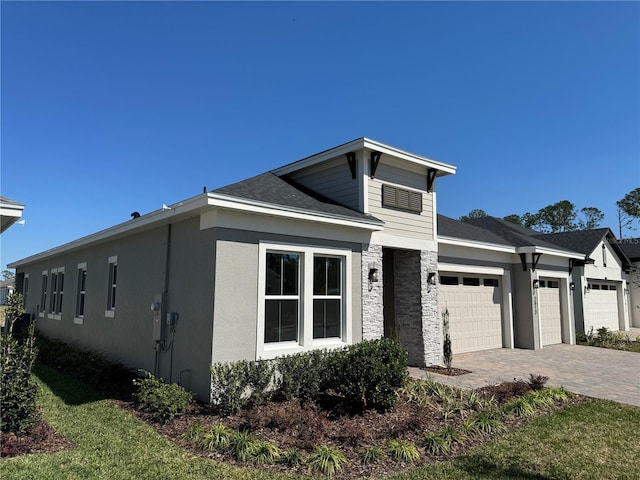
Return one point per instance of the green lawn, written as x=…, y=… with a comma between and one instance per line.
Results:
x=593, y=440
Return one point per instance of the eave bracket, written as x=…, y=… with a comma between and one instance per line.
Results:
x=351, y=160
x=374, y=161
x=431, y=178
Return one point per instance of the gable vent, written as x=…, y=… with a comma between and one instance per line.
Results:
x=394, y=197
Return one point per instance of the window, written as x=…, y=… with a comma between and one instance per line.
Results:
x=57, y=293
x=43, y=293
x=327, y=297
x=490, y=282
x=402, y=199
x=112, y=287
x=471, y=281
x=553, y=284
x=304, y=299
x=594, y=286
x=447, y=280
x=612, y=287
x=282, y=303
x=81, y=293
x=604, y=287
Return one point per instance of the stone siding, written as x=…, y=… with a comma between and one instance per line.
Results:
x=372, y=305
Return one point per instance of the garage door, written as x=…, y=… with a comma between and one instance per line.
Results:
x=601, y=305
x=550, y=313
x=475, y=310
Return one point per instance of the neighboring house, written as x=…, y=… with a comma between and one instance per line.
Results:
x=600, y=278
x=338, y=247
x=631, y=247
x=10, y=212
x=7, y=287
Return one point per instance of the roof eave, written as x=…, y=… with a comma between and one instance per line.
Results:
x=475, y=244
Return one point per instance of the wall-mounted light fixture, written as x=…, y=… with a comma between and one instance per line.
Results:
x=626, y=290
x=572, y=286
x=431, y=278
x=536, y=283
x=587, y=289
x=373, y=275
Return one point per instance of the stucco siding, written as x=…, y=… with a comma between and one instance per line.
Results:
x=332, y=179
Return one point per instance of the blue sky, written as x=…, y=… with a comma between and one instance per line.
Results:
x=112, y=107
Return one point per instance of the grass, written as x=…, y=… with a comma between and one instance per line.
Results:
x=592, y=440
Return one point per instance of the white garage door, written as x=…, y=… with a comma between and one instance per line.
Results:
x=474, y=303
x=550, y=313
x=601, y=306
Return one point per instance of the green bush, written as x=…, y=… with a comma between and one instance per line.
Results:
x=164, y=401
x=370, y=372
x=303, y=375
x=327, y=460
x=18, y=391
x=235, y=385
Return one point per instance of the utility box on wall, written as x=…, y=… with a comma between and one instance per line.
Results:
x=156, y=310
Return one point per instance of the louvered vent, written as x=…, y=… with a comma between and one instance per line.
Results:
x=401, y=199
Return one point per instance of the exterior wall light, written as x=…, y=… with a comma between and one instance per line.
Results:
x=572, y=286
x=536, y=283
x=373, y=275
x=431, y=278
x=587, y=289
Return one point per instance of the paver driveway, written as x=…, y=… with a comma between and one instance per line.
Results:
x=591, y=371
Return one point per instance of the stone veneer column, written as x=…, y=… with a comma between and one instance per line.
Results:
x=372, y=306
x=416, y=306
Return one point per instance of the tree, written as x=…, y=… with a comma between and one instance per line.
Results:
x=533, y=221
x=592, y=218
x=559, y=217
x=7, y=275
x=475, y=213
x=513, y=218
x=628, y=210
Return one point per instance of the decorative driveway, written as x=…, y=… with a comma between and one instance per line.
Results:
x=591, y=371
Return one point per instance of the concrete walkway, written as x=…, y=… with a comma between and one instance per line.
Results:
x=592, y=371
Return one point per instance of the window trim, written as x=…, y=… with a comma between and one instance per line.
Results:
x=56, y=294
x=305, y=327
x=43, y=293
x=82, y=271
x=112, y=287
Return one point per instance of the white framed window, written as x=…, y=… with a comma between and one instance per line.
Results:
x=43, y=293
x=57, y=293
x=112, y=284
x=304, y=299
x=81, y=293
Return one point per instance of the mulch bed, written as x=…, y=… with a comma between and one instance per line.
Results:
x=295, y=424
x=42, y=439
x=451, y=372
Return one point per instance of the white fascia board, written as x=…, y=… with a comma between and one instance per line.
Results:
x=11, y=211
x=359, y=144
x=549, y=251
x=473, y=244
x=157, y=217
x=253, y=206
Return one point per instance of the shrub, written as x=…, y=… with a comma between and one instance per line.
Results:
x=372, y=455
x=292, y=457
x=243, y=445
x=194, y=433
x=164, y=401
x=446, y=346
x=15, y=308
x=266, y=452
x=303, y=375
x=18, y=390
x=235, y=385
x=403, y=450
x=435, y=444
x=520, y=407
x=537, y=382
x=327, y=460
x=487, y=422
x=369, y=373
x=217, y=438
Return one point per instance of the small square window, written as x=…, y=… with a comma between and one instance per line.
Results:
x=448, y=280
x=490, y=282
x=471, y=281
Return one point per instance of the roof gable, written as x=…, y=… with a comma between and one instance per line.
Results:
x=631, y=248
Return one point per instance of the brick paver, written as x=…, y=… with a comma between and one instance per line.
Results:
x=592, y=371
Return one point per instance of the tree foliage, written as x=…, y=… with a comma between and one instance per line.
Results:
x=559, y=217
x=475, y=213
x=628, y=210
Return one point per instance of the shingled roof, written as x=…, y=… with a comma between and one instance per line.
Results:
x=274, y=190
x=631, y=247
x=513, y=234
x=448, y=227
x=583, y=241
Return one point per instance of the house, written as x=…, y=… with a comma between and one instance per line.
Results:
x=631, y=247
x=10, y=212
x=7, y=287
x=338, y=247
x=297, y=258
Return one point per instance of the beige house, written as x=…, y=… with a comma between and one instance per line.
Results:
x=335, y=248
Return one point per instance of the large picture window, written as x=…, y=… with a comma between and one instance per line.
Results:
x=304, y=300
